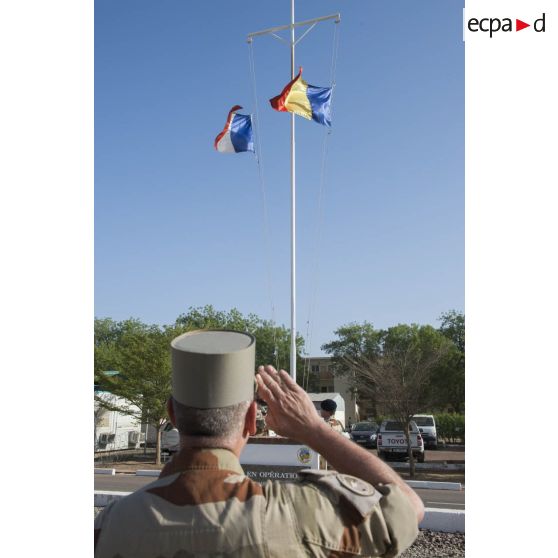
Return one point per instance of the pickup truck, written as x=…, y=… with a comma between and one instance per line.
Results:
x=391, y=441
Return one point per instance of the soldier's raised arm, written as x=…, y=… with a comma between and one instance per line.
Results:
x=292, y=414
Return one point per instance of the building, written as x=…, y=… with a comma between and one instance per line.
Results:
x=321, y=379
x=113, y=430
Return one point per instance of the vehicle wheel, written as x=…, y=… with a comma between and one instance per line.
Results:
x=420, y=458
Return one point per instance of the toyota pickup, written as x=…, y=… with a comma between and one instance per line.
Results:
x=392, y=443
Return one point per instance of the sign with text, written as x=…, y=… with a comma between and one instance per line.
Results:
x=277, y=459
x=261, y=473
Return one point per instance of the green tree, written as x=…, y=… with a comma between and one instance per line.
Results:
x=356, y=342
x=206, y=317
x=453, y=327
x=273, y=343
x=398, y=369
x=141, y=355
x=448, y=380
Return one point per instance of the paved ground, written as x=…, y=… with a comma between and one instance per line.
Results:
x=127, y=464
x=445, y=499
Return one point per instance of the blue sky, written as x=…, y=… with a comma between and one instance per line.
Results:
x=178, y=224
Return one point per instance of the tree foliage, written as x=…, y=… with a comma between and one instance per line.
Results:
x=353, y=341
x=450, y=427
x=395, y=366
x=400, y=371
x=140, y=353
x=273, y=343
x=448, y=382
x=453, y=327
x=363, y=341
x=406, y=368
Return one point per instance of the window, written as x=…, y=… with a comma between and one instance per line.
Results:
x=315, y=368
x=323, y=389
x=366, y=426
x=424, y=421
x=392, y=426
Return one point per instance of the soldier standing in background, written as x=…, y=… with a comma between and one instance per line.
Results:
x=327, y=412
x=203, y=505
x=328, y=408
x=261, y=427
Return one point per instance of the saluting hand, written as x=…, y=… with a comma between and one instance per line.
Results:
x=290, y=411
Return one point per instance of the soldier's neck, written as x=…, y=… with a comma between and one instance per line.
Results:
x=207, y=442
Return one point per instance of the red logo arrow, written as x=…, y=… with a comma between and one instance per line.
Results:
x=519, y=25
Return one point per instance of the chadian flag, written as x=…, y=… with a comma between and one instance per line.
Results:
x=237, y=135
x=308, y=101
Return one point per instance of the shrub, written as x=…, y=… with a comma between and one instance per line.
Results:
x=450, y=427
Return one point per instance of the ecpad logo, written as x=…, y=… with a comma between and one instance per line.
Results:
x=493, y=25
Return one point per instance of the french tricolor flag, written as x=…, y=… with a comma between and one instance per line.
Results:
x=237, y=135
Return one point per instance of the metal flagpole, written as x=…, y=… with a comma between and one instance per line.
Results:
x=293, y=212
x=292, y=43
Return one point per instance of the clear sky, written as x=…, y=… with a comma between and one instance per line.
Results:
x=179, y=225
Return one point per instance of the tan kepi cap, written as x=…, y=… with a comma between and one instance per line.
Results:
x=213, y=368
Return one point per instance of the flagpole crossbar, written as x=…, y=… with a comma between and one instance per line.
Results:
x=273, y=30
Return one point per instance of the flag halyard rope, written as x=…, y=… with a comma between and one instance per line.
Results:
x=259, y=160
x=320, y=212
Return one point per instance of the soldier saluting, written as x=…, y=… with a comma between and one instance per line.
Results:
x=203, y=505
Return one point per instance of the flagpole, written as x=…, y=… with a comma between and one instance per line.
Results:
x=293, y=212
x=272, y=31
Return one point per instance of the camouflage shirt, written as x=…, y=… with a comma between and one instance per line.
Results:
x=203, y=505
x=334, y=424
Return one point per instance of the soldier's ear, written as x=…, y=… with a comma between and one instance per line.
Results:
x=250, y=427
x=170, y=411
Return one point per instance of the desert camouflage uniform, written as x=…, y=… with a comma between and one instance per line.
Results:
x=203, y=505
x=335, y=424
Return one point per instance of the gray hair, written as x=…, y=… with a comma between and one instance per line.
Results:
x=222, y=423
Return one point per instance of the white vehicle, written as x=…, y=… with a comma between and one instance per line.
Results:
x=149, y=435
x=427, y=428
x=114, y=430
x=170, y=439
x=391, y=441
